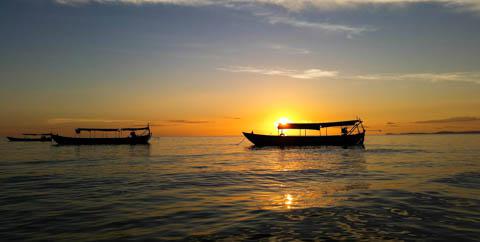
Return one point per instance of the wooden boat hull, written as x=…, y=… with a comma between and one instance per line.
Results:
x=62, y=140
x=14, y=139
x=277, y=140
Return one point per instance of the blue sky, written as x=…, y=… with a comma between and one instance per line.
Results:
x=81, y=59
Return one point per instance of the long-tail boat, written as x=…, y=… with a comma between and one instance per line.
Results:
x=352, y=133
x=131, y=139
x=32, y=138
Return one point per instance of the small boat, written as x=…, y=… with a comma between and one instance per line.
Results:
x=352, y=133
x=131, y=139
x=31, y=138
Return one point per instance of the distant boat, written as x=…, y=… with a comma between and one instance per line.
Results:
x=352, y=133
x=32, y=138
x=131, y=139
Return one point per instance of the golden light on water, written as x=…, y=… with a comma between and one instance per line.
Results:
x=288, y=200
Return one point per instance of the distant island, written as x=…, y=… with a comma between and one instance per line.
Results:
x=439, y=132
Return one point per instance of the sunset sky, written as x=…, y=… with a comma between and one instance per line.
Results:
x=212, y=67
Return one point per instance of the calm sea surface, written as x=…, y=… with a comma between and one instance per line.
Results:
x=419, y=187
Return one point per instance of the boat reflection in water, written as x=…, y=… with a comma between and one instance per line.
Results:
x=352, y=133
x=131, y=139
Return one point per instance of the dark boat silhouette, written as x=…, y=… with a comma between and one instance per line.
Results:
x=131, y=139
x=353, y=133
x=33, y=138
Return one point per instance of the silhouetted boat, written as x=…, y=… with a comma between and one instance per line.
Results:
x=34, y=138
x=351, y=135
x=131, y=139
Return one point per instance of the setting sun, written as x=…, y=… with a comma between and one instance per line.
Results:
x=152, y=120
x=283, y=120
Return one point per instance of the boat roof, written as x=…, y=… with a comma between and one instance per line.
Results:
x=32, y=134
x=78, y=130
x=318, y=126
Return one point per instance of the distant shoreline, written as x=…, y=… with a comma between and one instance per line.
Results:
x=439, y=132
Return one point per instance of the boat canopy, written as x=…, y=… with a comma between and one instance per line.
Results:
x=38, y=134
x=317, y=126
x=78, y=130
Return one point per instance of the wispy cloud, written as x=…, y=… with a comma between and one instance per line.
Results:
x=162, y=123
x=288, y=49
x=305, y=74
x=257, y=7
x=349, y=30
x=291, y=5
x=235, y=118
x=432, y=77
x=470, y=77
x=449, y=120
x=268, y=10
x=185, y=121
x=89, y=120
x=137, y=2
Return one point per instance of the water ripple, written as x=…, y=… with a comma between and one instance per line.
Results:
x=200, y=189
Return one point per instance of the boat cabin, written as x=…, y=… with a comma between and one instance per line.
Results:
x=348, y=127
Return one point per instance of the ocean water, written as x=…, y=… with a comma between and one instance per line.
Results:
x=417, y=187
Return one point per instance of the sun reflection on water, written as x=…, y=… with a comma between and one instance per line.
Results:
x=294, y=180
x=288, y=200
